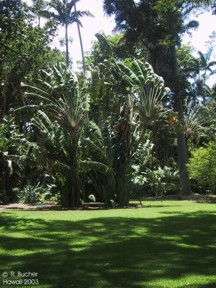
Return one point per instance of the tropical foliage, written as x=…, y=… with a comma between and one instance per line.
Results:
x=118, y=131
x=202, y=168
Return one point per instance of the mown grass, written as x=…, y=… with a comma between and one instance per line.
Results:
x=166, y=244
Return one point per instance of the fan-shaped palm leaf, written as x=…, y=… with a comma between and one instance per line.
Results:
x=148, y=88
x=196, y=119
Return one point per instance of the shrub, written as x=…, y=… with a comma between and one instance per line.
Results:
x=157, y=182
x=202, y=168
x=28, y=194
x=33, y=193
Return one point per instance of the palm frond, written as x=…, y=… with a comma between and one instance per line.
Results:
x=148, y=88
x=96, y=166
x=64, y=97
x=196, y=119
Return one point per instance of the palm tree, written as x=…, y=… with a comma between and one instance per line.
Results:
x=65, y=13
x=139, y=92
x=65, y=103
x=203, y=70
x=148, y=90
x=80, y=36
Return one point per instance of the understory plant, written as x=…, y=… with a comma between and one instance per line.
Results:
x=202, y=168
x=98, y=161
x=18, y=159
x=150, y=178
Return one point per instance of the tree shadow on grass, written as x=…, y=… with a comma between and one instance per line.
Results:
x=111, y=252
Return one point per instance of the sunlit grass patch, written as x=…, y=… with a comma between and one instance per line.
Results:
x=165, y=244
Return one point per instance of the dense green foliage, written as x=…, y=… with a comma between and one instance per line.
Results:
x=158, y=27
x=202, y=168
x=115, y=131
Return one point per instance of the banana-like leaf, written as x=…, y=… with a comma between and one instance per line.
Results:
x=96, y=166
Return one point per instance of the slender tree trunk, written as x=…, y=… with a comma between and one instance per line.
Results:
x=74, y=196
x=67, y=50
x=3, y=103
x=80, y=39
x=204, y=88
x=39, y=21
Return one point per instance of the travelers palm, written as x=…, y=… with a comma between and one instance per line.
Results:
x=66, y=103
x=158, y=26
x=148, y=89
x=139, y=92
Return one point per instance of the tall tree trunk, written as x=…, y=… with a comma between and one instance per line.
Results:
x=74, y=195
x=80, y=39
x=67, y=50
x=181, y=140
x=3, y=99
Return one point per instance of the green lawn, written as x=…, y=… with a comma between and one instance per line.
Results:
x=166, y=244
